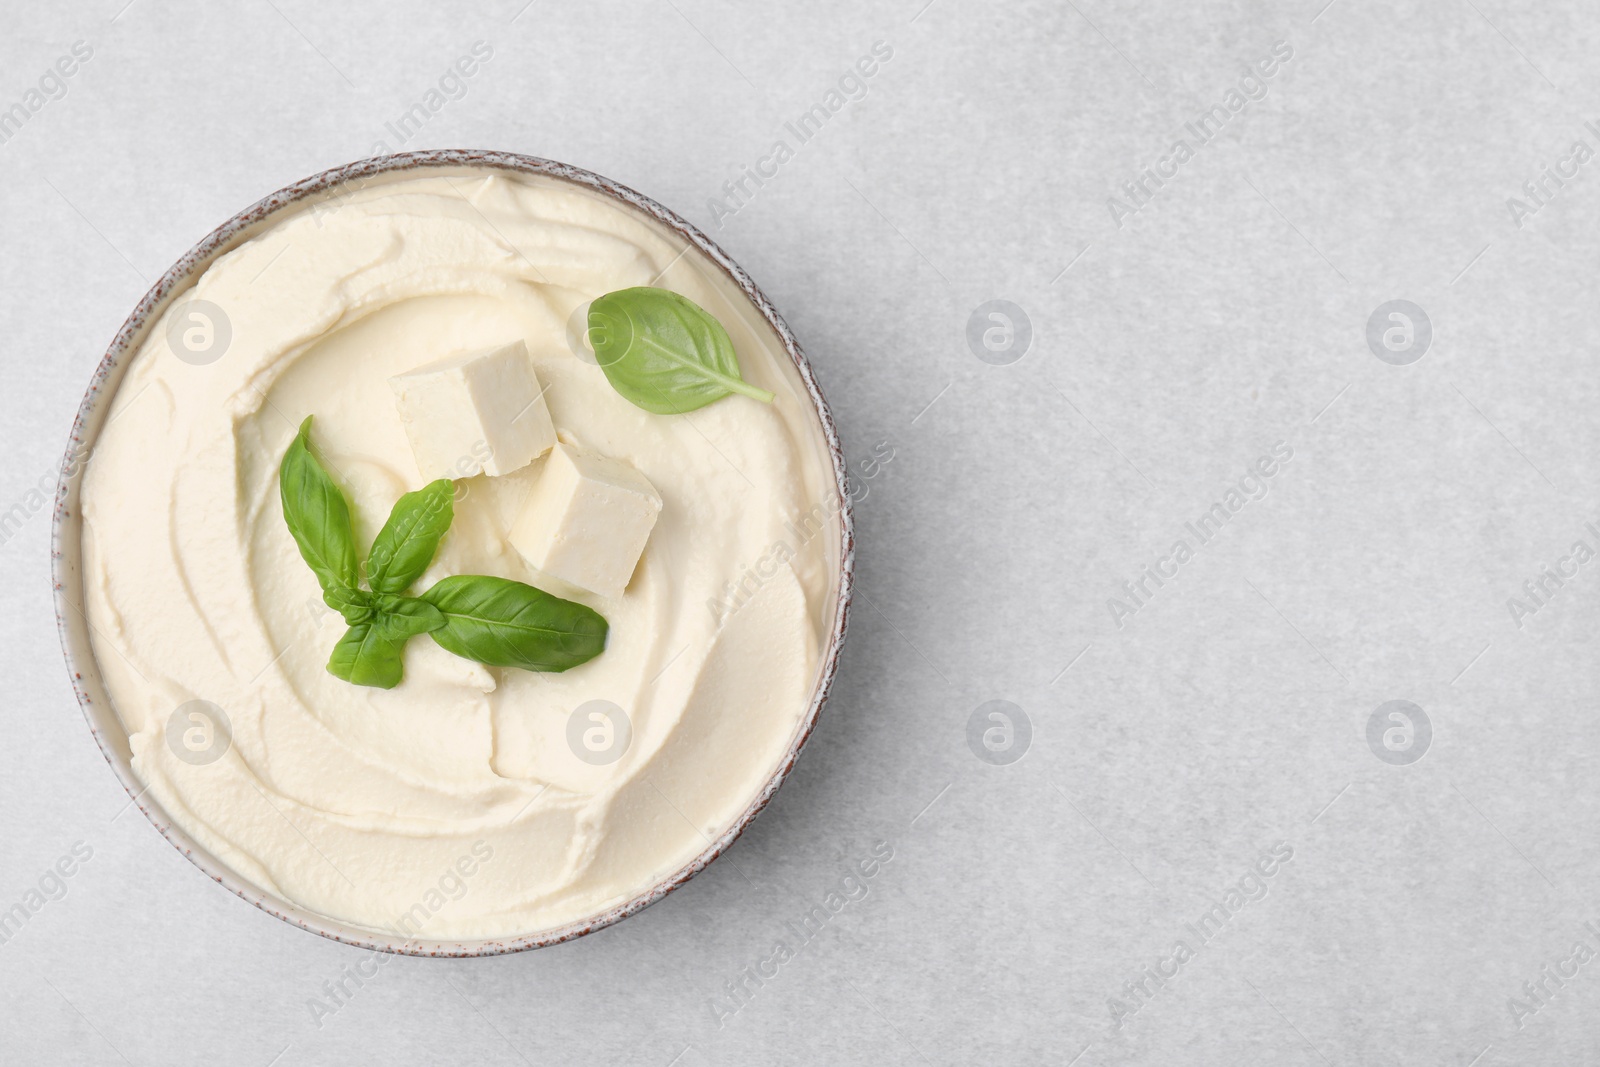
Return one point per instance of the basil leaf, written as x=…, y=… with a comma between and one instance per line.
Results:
x=406, y=544
x=366, y=655
x=663, y=352
x=317, y=515
x=407, y=616
x=355, y=605
x=508, y=624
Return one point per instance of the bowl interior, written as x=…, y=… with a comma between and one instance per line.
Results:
x=97, y=407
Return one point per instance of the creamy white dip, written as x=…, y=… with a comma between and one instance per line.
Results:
x=453, y=806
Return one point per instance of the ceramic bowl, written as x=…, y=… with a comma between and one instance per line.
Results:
x=67, y=555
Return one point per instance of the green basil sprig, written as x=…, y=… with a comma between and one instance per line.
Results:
x=492, y=620
x=665, y=353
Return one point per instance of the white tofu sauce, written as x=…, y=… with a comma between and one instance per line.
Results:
x=452, y=806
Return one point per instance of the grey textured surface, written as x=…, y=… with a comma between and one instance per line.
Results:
x=1227, y=714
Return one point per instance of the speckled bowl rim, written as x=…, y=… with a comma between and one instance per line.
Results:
x=66, y=537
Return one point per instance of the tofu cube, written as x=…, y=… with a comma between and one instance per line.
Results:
x=478, y=413
x=587, y=520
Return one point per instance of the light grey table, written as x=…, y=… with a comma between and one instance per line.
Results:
x=1164, y=333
